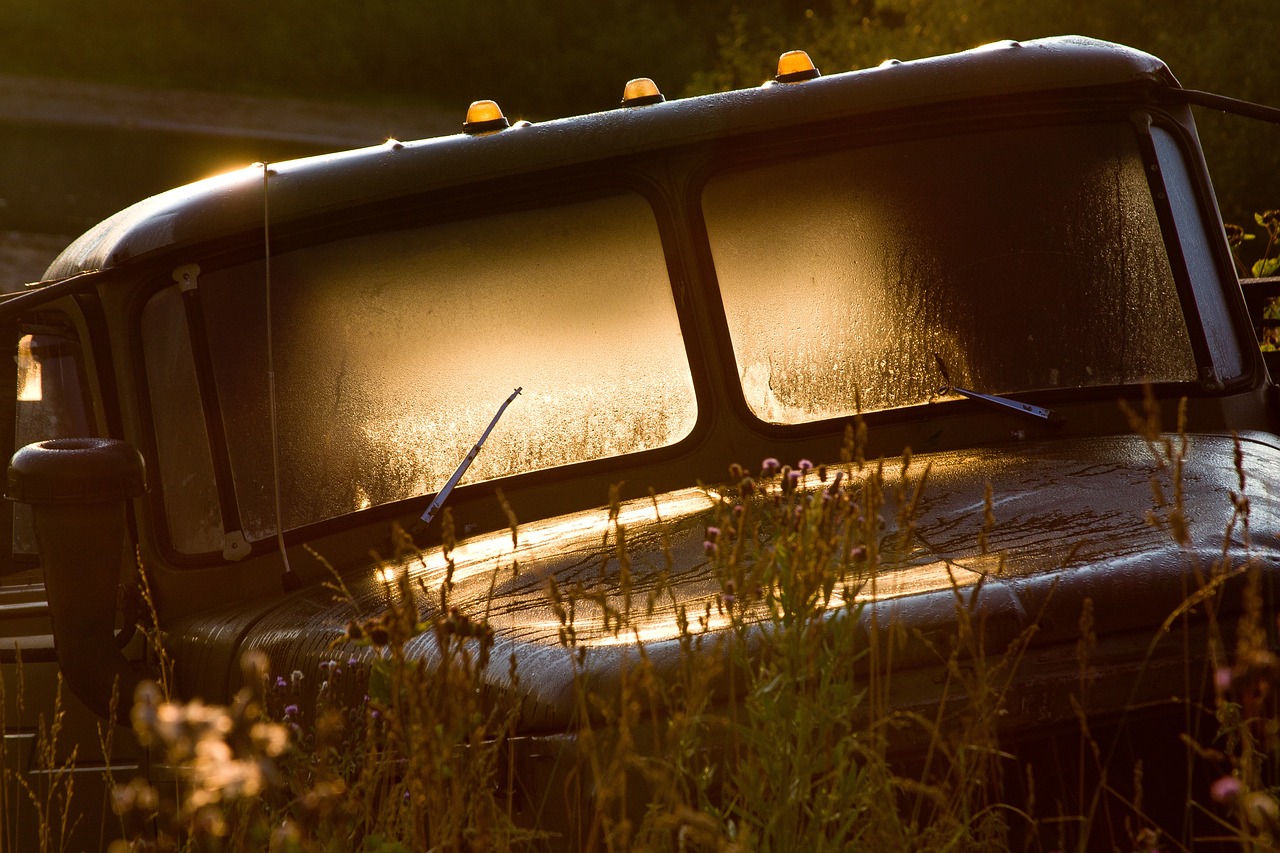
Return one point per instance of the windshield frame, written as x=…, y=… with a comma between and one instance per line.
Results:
x=905, y=126
x=544, y=190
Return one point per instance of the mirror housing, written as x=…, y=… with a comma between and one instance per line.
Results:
x=79, y=489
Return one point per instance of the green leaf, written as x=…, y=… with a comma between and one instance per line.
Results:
x=378, y=844
x=1257, y=217
x=1265, y=267
x=380, y=682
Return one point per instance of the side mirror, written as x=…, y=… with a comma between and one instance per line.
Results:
x=78, y=490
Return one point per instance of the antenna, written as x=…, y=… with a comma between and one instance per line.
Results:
x=289, y=580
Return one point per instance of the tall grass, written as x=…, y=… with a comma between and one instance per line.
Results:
x=769, y=718
x=772, y=726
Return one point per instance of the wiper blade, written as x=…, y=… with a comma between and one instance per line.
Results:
x=1003, y=403
x=465, y=464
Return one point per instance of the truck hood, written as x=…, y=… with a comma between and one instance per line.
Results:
x=1074, y=519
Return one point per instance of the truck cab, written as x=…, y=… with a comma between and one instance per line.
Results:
x=972, y=263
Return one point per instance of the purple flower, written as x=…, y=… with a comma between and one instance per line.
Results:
x=1226, y=790
x=713, y=534
x=804, y=465
x=352, y=661
x=1222, y=678
x=710, y=547
x=768, y=466
x=281, y=683
x=290, y=711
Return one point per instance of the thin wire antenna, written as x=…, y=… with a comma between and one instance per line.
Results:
x=289, y=580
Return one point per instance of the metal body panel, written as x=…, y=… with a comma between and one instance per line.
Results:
x=232, y=203
x=1072, y=524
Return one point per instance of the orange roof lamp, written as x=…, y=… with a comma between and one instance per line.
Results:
x=641, y=91
x=795, y=66
x=484, y=117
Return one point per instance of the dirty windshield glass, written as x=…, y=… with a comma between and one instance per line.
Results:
x=393, y=351
x=1026, y=259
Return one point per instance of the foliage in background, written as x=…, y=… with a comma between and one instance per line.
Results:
x=1215, y=47
x=561, y=57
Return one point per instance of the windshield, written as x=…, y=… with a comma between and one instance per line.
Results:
x=394, y=350
x=1025, y=258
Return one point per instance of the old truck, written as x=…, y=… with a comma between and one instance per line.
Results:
x=244, y=385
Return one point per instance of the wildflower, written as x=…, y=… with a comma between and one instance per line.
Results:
x=768, y=466
x=269, y=738
x=710, y=547
x=1235, y=234
x=1222, y=678
x=858, y=553
x=736, y=472
x=295, y=679
x=1262, y=811
x=290, y=711
x=1227, y=790
x=146, y=704
x=713, y=534
x=804, y=465
x=352, y=661
x=728, y=598
x=281, y=684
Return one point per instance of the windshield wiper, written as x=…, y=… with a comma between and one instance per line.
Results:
x=1004, y=403
x=465, y=464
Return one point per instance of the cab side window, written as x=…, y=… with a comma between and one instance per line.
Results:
x=49, y=402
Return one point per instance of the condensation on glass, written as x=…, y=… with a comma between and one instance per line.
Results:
x=1026, y=258
x=394, y=350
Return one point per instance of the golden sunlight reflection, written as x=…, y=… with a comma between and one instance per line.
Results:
x=583, y=533
x=542, y=540
x=30, y=386
x=610, y=417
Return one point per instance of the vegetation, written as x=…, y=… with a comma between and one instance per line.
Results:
x=395, y=755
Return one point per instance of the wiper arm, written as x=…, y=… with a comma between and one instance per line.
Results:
x=443, y=495
x=1004, y=403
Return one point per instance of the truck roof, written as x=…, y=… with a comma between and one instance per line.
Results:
x=233, y=203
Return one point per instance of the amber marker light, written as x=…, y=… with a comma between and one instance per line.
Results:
x=641, y=91
x=484, y=117
x=795, y=66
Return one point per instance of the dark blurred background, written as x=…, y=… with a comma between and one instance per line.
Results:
x=104, y=102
